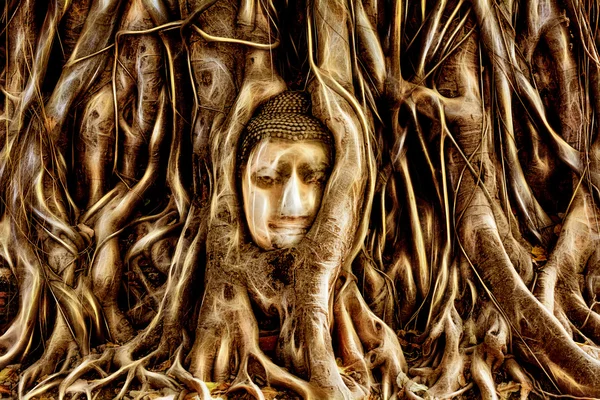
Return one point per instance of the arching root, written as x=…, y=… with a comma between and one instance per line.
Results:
x=151, y=347
x=15, y=342
x=569, y=276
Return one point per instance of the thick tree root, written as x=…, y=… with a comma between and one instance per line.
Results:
x=448, y=375
x=518, y=374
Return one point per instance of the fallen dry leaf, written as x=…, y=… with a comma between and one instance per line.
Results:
x=539, y=253
x=505, y=389
x=8, y=375
x=269, y=393
x=557, y=229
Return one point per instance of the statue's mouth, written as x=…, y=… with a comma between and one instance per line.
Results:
x=291, y=229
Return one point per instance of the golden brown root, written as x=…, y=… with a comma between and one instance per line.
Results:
x=111, y=219
x=162, y=336
x=482, y=376
x=442, y=370
x=558, y=286
x=489, y=354
x=75, y=382
x=448, y=376
x=97, y=143
x=182, y=375
x=570, y=255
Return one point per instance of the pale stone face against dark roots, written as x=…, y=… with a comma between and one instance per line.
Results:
x=282, y=187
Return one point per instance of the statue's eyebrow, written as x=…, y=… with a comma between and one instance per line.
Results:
x=307, y=167
x=323, y=166
x=266, y=170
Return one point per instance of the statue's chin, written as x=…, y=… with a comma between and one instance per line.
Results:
x=288, y=237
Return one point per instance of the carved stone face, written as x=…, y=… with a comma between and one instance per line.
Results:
x=282, y=187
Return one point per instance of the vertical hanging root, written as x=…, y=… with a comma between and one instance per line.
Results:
x=227, y=335
x=448, y=376
x=16, y=341
x=482, y=376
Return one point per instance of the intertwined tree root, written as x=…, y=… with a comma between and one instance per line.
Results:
x=455, y=251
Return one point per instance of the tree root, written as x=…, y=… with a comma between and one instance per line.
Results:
x=448, y=376
x=73, y=384
x=364, y=342
x=558, y=286
x=488, y=356
x=516, y=372
x=482, y=376
x=227, y=343
x=442, y=371
x=60, y=347
x=16, y=340
x=160, y=336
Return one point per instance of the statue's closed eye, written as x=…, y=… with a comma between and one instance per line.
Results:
x=314, y=174
x=317, y=177
x=264, y=181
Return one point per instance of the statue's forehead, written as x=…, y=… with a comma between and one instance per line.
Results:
x=272, y=151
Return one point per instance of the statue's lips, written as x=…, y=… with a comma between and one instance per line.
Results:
x=289, y=228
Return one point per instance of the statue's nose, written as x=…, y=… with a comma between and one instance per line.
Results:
x=291, y=203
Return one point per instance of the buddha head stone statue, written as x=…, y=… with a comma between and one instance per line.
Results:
x=284, y=162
